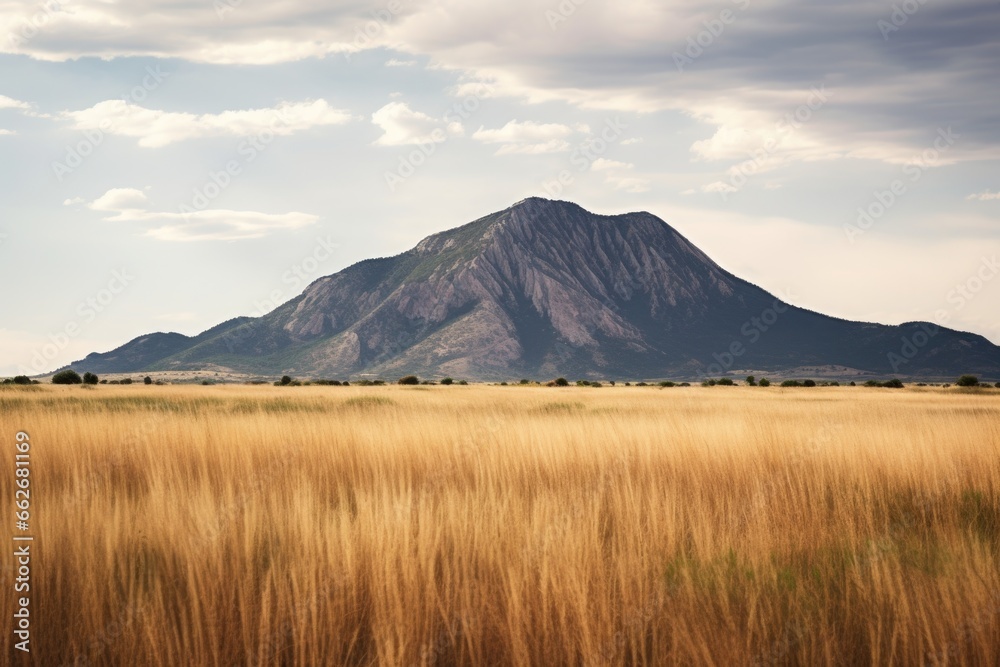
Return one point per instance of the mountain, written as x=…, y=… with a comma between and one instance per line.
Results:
x=542, y=289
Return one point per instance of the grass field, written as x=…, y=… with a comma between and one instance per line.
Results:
x=234, y=525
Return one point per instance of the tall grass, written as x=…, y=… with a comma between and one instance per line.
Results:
x=520, y=526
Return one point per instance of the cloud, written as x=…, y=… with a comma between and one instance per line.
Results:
x=119, y=199
x=129, y=205
x=156, y=129
x=7, y=133
x=985, y=195
x=395, y=62
x=528, y=138
x=10, y=103
x=618, y=174
x=602, y=164
x=402, y=126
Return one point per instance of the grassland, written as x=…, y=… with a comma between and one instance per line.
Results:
x=509, y=526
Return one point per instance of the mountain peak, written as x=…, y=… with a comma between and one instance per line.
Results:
x=546, y=288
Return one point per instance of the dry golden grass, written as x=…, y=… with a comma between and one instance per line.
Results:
x=509, y=526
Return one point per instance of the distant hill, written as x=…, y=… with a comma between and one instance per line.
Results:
x=546, y=288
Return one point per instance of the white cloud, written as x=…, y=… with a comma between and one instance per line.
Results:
x=402, y=126
x=119, y=199
x=528, y=138
x=156, y=128
x=632, y=141
x=74, y=201
x=7, y=133
x=554, y=146
x=129, y=205
x=11, y=103
x=717, y=187
x=602, y=164
x=985, y=195
x=618, y=174
x=395, y=62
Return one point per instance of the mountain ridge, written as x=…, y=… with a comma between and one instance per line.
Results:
x=545, y=288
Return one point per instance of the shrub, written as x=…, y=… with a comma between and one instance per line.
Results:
x=463, y=382
x=447, y=381
x=595, y=384
x=791, y=383
x=127, y=381
x=90, y=378
x=665, y=383
x=764, y=382
x=894, y=383
x=726, y=382
x=684, y=384
x=525, y=381
x=809, y=383
x=67, y=377
x=561, y=382
x=873, y=383
x=611, y=382
x=751, y=381
x=708, y=383
x=967, y=381
x=24, y=379
x=997, y=385
x=147, y=380
x=408, y=379
x=641, y=384
x=854, y=384
x=285, y=380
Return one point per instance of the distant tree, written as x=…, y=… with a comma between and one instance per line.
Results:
x=447, y=381
x=463, y=382
x=873, y=383
x=67, y=377
x=752, y=381
x=90, y=378
x=285, y=380
x=894, y=383
x=561, y=382
x=726, y=382
x=791, y=383
x=147, y=380
x=997, y=385
x=22, y=379
x=665, y=383
x=525, y=381
x=854, y=384
x=127, y=381
x=809, y=383
x=408, y=379
x=968, y=381
x=611, y=382
x=764, y=382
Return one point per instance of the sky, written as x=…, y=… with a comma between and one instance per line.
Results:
x=170, y=164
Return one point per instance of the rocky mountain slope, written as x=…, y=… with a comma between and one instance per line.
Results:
x=546, y=288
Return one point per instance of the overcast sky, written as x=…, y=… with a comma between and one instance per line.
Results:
x=168, y=165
